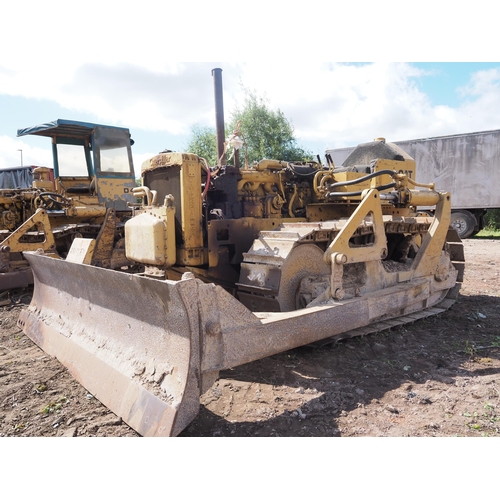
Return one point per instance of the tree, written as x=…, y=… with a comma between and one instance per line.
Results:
x=203, y=142
x=267, y=133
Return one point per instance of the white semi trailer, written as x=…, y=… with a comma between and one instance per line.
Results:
x=466, y=165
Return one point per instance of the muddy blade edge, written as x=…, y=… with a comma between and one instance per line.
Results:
x=148, y=354
x=133, y=351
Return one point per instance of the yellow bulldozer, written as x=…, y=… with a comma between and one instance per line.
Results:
x=238, y=264
x=92, y=202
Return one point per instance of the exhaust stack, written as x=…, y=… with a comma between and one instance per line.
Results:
x=219, y=115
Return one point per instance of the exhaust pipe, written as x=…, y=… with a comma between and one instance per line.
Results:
x=219, y=115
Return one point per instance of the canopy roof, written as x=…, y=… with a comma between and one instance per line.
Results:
x=61, y=127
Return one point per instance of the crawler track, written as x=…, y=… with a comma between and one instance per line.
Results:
x=266, y=278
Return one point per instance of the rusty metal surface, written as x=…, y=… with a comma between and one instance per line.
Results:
x=105, y=240
x=278, y=332
x=16, y=279
x=275, y=268
x=39, y=222
x=147, y=349
x=4, y=258
x=219, y=112
x=131, y=341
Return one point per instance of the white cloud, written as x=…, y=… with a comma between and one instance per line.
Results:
x=480, y=110
x=170, y=99
x=10, y=153
x=329, y=104
x=343, y=104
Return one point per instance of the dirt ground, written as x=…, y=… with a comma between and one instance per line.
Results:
x=436, y=377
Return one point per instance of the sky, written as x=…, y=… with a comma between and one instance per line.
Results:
x=119, y=63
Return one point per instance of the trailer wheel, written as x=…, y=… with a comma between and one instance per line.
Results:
x=464, y=223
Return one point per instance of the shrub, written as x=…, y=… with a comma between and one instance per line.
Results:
x=492, y=219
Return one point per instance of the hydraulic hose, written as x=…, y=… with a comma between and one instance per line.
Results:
x=364, y=178
x=359, y=180
x=304, y=170
x=340, y=194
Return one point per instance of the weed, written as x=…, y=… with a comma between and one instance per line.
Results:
x=475, y=426
x=40, y=388
x=451, y=346
x=496, y=341
x=391, y=363
x=481, y=421
x=54, y=406
x=470, y=349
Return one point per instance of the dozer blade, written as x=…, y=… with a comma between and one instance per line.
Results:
x=131, y=342
x=148, y=349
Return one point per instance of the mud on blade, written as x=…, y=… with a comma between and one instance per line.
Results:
x=147, y=349
x=132, y=342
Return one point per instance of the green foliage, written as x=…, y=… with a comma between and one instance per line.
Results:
x=203, y=142
x=492, y=219
x=21, y=426
x=267, y=133
x=470, y=349
x=53, y=407
x=491, y=234
x=491, y=225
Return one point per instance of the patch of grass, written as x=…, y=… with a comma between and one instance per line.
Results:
x=485, y=421
x=490, y=234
